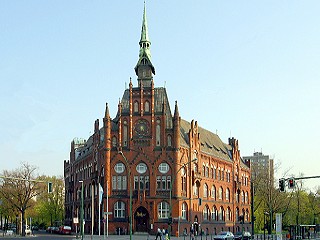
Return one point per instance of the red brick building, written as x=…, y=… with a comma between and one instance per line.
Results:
x=181, y=175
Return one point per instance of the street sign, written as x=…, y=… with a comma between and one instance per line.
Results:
x=75, y=220
x=107, y=213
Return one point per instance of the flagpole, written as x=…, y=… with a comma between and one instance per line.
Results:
x=99, y=212
x=107, y=220
x=100, y=201
x=92, y=209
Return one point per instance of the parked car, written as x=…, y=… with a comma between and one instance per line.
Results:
x=55, y=230
x=65, y=230
x=246, y=236
x=49, y=229
x=224, y=236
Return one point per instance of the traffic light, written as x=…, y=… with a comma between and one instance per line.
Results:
x=49, y=187
x=291, y=183
x=282, y=184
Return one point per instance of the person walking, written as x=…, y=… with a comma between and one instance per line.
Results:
x=158, y=234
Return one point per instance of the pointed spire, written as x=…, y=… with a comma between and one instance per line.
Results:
x=144, y=31
x=176, y=111
x=107, y=115
x=144, y=68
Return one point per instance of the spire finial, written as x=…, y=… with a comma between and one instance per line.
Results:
x=144, y=31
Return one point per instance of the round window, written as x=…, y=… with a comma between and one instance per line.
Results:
x=119, y=167
x=141, y=168
x=163, y=168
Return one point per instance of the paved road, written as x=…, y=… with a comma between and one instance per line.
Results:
x=48, y=236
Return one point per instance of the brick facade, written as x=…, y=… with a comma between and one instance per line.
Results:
x=176, y=168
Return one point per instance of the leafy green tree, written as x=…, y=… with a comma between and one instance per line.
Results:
x=50, y=206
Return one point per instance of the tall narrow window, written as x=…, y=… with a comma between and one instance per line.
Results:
x=227, y=194
x=205, y=190
x=125, y=133
x=221, y=193
x=213, y=192
x=184, y=211
x=114, y=141
x=206, y=213
x=136, y=107
x=158, y=182
x=147, y=107
x=158, y=133
x=169, y=141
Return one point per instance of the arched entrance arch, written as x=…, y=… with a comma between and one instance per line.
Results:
x=141, y=217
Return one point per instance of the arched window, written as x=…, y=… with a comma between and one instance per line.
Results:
x=147, y=106
x=246, y=197
x=196, y=189
x=228, y=214
x=237, y=214
x=227, y=194
x=221, y=193
x=206, y=213
x=158, y=132
x=205, y=190
x=119, y=209
x=183, y=180
x=136, y=107
x=213, y=192
x=238, y=196
x=221, y=214
x=184, y=210
x=247, y=216
x=242, y=196
x=163, y=210
x=214, y=214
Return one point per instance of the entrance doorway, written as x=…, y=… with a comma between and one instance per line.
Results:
x=196, y=226
x=141, y=219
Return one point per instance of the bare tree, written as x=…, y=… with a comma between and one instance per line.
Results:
x=18, y=188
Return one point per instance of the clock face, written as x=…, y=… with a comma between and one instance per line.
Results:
x=141, y=128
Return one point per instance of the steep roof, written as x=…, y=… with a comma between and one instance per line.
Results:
x=160, y=101
x=211, y=143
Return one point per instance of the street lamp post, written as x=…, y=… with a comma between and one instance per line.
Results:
x=264, y=227
x=171, y=186
x=129, y=179
x=81, y=211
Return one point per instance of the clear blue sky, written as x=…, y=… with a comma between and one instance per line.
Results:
x=247, y=69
